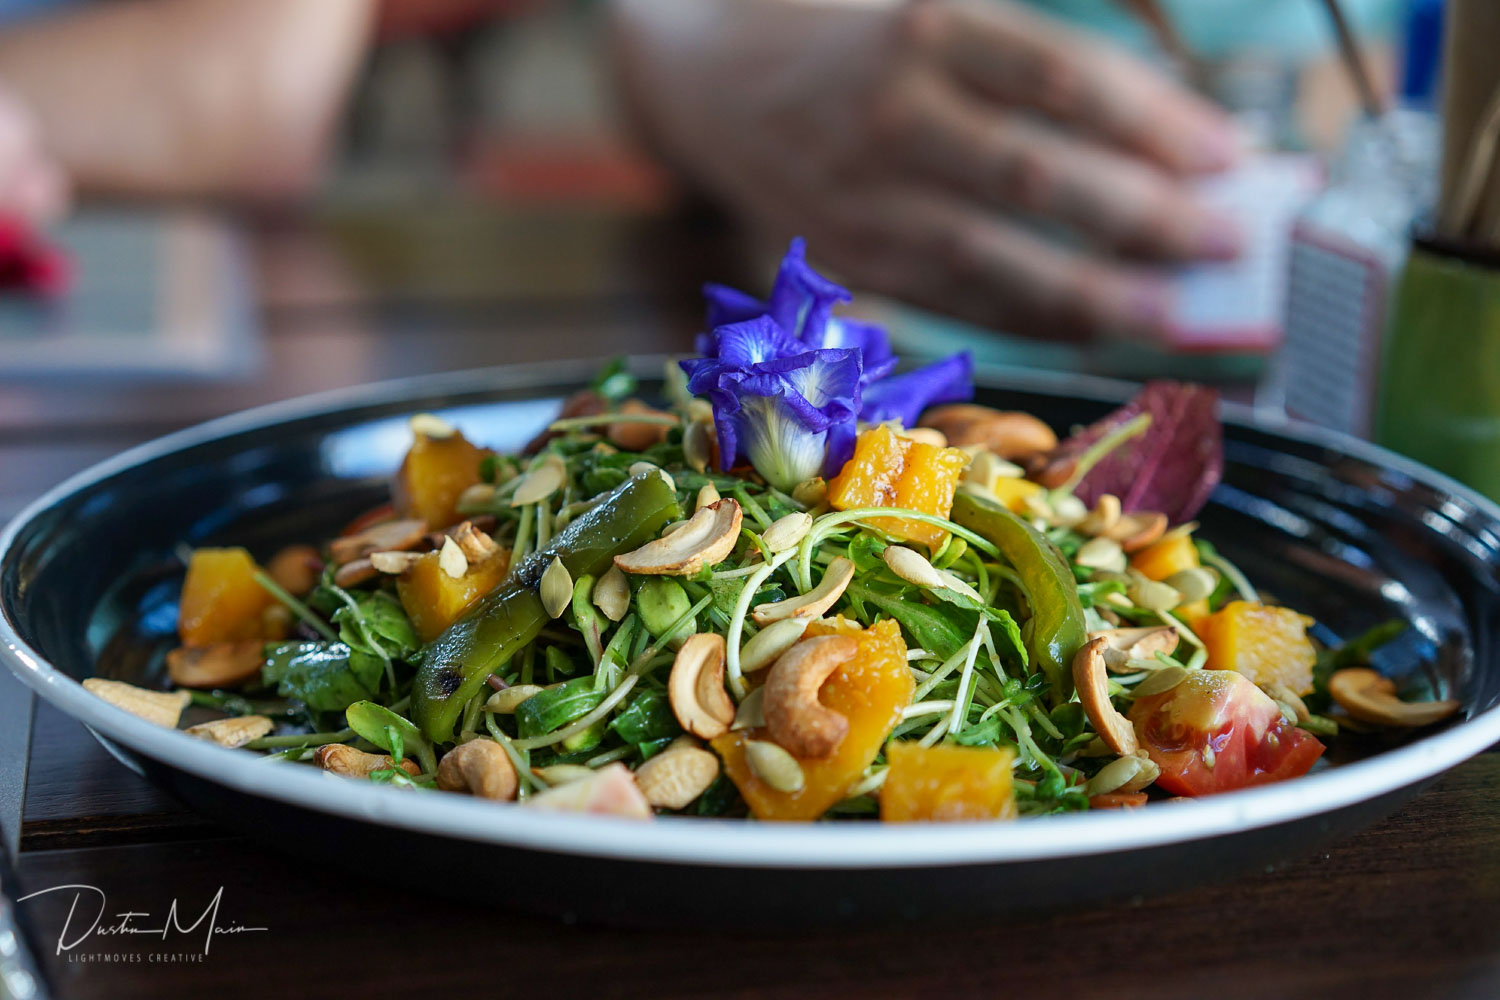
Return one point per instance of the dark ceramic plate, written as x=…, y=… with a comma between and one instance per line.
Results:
x=1336, y=528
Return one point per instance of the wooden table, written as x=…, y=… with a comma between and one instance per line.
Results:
x=1410, y=908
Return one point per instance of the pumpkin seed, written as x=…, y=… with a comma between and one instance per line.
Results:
x=751, y=714
x=1154, y=596
x=1128, y=774
x=911, y=566
x=556, y=588
x=697, y=445
x=477, y=495
x=1101, y=553
x=810, y=492
x=773, y=765
x=504, y=701
x=1193, y=584
x=767, y=645
x=541, y=482
x=642, y=467
x=431, y=426
x=787, y=531
x=612, y=594
x=451, y=559
x=561, y=774
x=1068, y=510
x=708, y=495
x=1161, y=681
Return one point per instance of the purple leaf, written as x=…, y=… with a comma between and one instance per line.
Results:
x=1172, y=466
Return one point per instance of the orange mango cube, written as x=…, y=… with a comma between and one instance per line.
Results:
x=221, y=602
x=434, y=600
x=869, y=690
x=1269, y=645
x=888, y=470
x=945, y=783
x=433, y=475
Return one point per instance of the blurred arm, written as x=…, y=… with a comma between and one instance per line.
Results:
x=212, y=98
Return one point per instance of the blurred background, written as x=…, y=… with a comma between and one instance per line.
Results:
x=207, y=204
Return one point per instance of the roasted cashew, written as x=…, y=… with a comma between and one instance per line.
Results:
x=339, y=758
x=221, y=664
x=161, y=707
x=1125, y=644
x=1008, y=434
x=705, y=540
x=1091, y=678
x=695, y=688
x=1370, y=697
x=234, y=731
x=479, y=766
x=794, y=716
x=679, y=774
x=813, y=603
x=609, y=791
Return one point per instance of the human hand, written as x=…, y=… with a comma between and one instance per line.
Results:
x=32, y=187
x=965, y=155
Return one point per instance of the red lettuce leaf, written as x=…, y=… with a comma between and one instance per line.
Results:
x=1172, y=466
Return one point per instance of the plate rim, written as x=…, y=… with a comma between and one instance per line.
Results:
x=734, y=843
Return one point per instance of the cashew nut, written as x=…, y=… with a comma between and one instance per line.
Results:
x=813, y=603
x=1091, y=678
x=1103, y=518
x=678, y=775
x=1121, y=645
x=1138, y=530
x=705, y=540
x=339, y=758
x=1008, y=434
x=481, y=767
x=296, y=569
x=161, y=707
x=695, y=687
x=235, y=731
x=1370, y=697
x=390, y=536
x=220, y=664
x=794, y=716
x=609, y=791
x=630, y=435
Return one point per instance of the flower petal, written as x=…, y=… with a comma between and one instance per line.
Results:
x=802, y=299
x=904, y=397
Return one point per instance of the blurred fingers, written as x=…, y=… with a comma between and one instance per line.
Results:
x=1022, y=59
x=1013, y=161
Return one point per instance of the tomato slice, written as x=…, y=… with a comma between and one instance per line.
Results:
x=1217, y=731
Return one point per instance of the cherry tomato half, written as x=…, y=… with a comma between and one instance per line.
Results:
x=1217, y=731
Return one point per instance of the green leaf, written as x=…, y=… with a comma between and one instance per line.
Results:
x=379, y=725
x=1011, y=631
x=318, y=674
x=864, y=551
x=613, y=382
x=385, y=627
x=647, y=717
x=942, y=630
x=556, y=707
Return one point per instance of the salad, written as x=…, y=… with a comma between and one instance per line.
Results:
x=798, y=586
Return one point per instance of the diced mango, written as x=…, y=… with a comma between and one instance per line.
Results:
x=1269, y=645
x=942, y=784
x=1013, y=491
x=433, y=475
x=1173, y=554
x=869, y=690
x=434, y=600
x=221, y=602
x=888, y=470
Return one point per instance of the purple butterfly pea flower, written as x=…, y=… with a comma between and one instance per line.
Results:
x=777, y=404
x=904, y=397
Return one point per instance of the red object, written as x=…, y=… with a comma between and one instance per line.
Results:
x=1216, y=732
x=29, y=264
